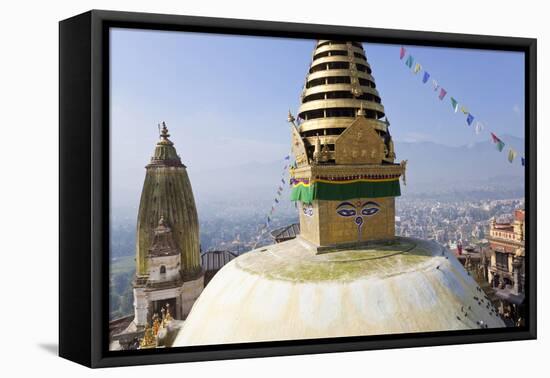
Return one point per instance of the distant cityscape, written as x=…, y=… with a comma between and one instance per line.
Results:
x=452, y=222
x=235, y=226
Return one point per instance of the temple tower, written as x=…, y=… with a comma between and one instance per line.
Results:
x=168, y=269
x=345, y=177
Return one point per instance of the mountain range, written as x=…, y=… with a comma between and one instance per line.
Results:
x=431, y=168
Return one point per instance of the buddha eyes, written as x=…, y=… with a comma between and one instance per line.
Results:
x=346, y=212
x=369, y=211
x=348, y=209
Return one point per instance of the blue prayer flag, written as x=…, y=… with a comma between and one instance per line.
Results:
x=470, y=119
x=426, y=77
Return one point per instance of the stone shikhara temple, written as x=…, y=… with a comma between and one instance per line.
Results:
x=169, y=276
x=168, y=267
x=346, y=274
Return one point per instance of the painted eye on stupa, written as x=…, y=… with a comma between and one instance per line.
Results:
x=346, y=209
x=369, y=211
x=370, y=208
x=346, y=212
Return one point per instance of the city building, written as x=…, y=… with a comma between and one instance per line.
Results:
x=346, y=273
x=213, y=261
x=285, y=233
x=506, y=265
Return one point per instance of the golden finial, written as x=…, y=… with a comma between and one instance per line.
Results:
x=164, y=131
x=290, y=118
x=361, y=111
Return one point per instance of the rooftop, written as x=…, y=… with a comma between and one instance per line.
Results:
x=286, y=232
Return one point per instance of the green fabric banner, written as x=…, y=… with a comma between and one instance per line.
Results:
x=340, y=192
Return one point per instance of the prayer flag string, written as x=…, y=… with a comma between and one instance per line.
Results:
x=280, y=188
x=442, y=92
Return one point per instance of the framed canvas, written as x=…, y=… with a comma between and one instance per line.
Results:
x=235, y=188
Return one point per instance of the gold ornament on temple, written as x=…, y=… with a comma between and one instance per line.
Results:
x=149, y=340
x=168, y=317
x=156, y=324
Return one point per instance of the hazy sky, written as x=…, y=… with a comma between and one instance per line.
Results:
x=225, y=98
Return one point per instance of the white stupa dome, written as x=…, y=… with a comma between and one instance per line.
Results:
x=286, y=291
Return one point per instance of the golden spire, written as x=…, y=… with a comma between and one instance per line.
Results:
x=344, y=151
x=339, y=88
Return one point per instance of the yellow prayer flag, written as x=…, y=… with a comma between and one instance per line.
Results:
x=511, y=155
x=417, y=68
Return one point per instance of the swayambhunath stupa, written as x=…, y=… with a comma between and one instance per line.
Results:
x=346, y=273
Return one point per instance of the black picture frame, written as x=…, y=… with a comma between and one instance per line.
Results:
x=84, y=186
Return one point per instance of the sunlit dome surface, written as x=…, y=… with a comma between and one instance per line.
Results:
x=286, y=291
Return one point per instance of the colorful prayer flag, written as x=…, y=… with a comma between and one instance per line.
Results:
x=511, y=155
x=454, y=104
x=478, y=127
x=470, y=119
x=435, y=85
x=417, y=68
x=283, y=180
x=276, y=200
x=523, y=161
x=498, y=142
x=464, y=110
x=409, y=61
x=426, y=77
x=402, y=53
x=286, y=158
x=442, y=93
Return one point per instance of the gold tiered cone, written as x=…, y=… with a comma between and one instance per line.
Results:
x=345, y=178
